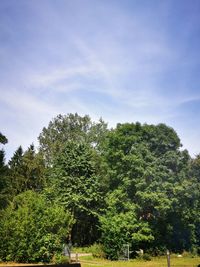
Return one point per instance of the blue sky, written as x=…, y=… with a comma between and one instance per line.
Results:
x=122, y=60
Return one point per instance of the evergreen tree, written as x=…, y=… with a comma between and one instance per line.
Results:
x=3, y=174
x=75, y=183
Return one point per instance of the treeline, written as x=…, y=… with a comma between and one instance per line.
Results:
x=87, y=183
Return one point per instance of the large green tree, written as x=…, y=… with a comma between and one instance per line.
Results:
x=71, y=127
x=26, y=171
x=195, y=190
x=75, y=183
x=146, y=162
x=131, y=184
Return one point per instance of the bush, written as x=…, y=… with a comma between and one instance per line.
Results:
x=157, y=251
x=32, y=229
x=97, y=251
x=145, y=257
x=60, y=259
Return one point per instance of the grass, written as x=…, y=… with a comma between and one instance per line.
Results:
x=155, y=262
x=82, y=249
x=90, y=261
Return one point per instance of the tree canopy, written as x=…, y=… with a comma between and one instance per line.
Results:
x=130, y=184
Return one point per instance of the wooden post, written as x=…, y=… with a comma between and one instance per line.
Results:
x=168, y=258
x=76, y=257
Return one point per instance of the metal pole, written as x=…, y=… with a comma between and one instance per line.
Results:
x=168, y=258
x=70, y=259
x=128, y=252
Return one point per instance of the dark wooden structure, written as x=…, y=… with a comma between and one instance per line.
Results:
x=43, y=265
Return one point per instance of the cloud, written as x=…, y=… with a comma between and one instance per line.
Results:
x=57, y=76
x=122, y=61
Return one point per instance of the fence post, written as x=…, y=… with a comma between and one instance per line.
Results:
x=168, y=258
x=128, y=252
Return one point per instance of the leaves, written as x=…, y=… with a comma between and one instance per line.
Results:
x=71, y=127
x=75, y=184
x=130, y=184
x=33, y=229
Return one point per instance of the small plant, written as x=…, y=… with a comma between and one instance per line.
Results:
x=145, y=257
x=97, y=251
x=60, y=259
x=81, y=249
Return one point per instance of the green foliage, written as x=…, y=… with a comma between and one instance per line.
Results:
x=74, y=183
x=146, y=163
x=3, y=139
x=33, y=229
x=195, y=187
x=26, y=171
x=16, y=173
x=3, y=181
x=131, y=184
x=71, y=127
x=145, y=257
x=119, y=225
x=3, y=174
x=97, y=250
x=58, y=258
x=116, y=230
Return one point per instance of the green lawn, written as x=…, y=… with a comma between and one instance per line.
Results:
x=155, y=262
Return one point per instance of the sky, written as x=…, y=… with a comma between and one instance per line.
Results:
x=122, y=60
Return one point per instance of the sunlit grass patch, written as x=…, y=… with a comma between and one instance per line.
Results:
x=155, y=262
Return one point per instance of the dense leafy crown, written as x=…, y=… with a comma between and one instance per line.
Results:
x=87, y=183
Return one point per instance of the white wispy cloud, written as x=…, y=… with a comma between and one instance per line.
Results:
x=100, y=59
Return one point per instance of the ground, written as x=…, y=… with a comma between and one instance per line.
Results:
x=89, y=261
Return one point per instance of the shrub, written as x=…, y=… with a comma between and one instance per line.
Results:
x=146, y=257
x=97, y=251
x=60, y=259
x=32, y=229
